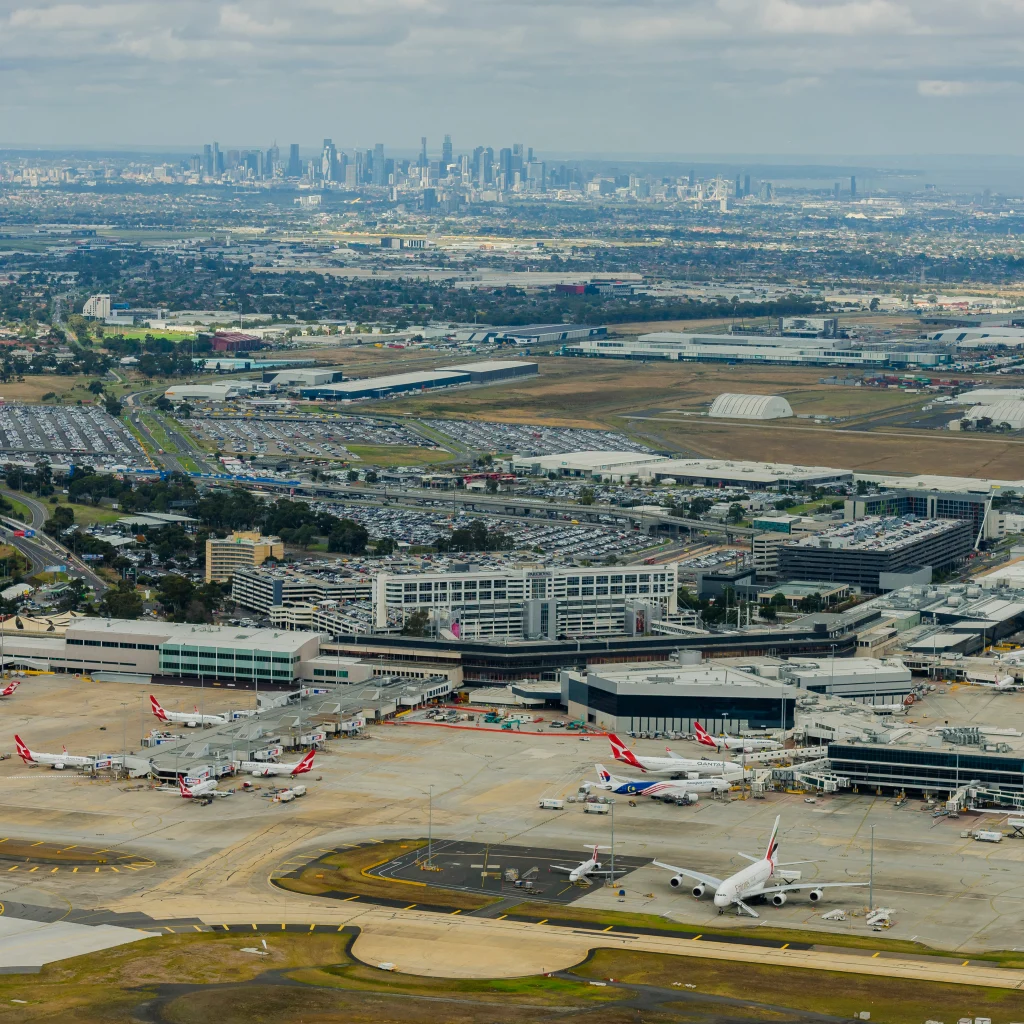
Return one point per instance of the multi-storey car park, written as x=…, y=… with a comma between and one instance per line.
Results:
x=261, y=589
x=862, y=552
x=538, y=602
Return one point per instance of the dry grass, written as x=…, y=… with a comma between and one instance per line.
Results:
x=33, y=387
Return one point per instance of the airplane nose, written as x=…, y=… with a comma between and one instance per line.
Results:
x=721, y=900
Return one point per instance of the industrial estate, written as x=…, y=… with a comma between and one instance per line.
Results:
x=401, y=582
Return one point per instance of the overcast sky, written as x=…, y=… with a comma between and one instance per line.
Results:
x=606, y=76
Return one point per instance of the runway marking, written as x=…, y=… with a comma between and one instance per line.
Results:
x=15, y=868
x=454, y=912
x=965, y=963
x=36, y=868
x=785, y=946
x=225, y=927
x=197, y=928
x=169, y=928
x=503, y=916
x=112, y=868
x=411, y=905
x=40, y=843
x=873, y=955
x=312, y=926
x=4, y=840
x=545, y=921
x=74, y=870
x=282, y=927
x=341, y=927
x=254, y=928
x=608, y=929
x=96, y=870
x=54, y=870
x=696, y=937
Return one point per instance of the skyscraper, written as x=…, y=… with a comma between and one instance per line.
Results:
x=329, y=161
x=294, y=162
x=273, y=161
x=746, y=184
x=208, y=160
x=378, y=164
x=446, y=151
x=853, y=186
x=423, y=151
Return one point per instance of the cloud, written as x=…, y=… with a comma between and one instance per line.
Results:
x=235, y=20
x=944, y=88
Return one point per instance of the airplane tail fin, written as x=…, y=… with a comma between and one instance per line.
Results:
x=23, y=752
x=64, y=748
x=157, y=709
x=603, y=774
x=773, y=843
x=622, y=753
x=185, y=791
x=703, y=736
x=305, y=765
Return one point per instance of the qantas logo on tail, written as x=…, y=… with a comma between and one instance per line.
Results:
x=157, y=710
x=185, y=791
x=23, y=752
x=622, y=753
x=10, y=688
x=305, y=765
x=703, y=736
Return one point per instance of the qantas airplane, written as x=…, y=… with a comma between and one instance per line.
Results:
x=8, y=690
x=665, y=788
x=200, y=789
x=675, y=766
x=741, y=743
x=591, y=866
x=753, y=882
x=58, y=761
x=266, y=768
x=183, y=717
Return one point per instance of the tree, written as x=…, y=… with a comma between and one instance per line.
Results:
x=874, y=304
x=370, y=476
x=63, y=518
x=736, y=513
x=700, y=507
x=586, y=496
x=123, y=601
x=175, y=593
x=164, y=404
x=113, y=406
x=492, y=486
x=417, y=623
x=352, y=476
x=347, y=538
x=96, y=387
x=385, y=546
x=862, y=487
x=72, y=598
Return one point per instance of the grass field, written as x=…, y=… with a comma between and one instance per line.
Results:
x=93, y=515
x=21, y=510
x=33, y=387
x=397, y=455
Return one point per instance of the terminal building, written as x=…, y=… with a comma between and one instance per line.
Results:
x=927, y=504
x=870, y=553
x=530, y=603
x=670, y=697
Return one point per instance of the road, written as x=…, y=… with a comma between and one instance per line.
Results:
x=42, y=550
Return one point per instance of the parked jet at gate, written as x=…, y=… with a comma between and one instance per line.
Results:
x=674, y=765
x=591, y=866
x=670, y=789
x=192, y=720
x=207, y=788
x=8, y=690
x=58, y=761
x=269, y=768
x=747, y=746
x=754, y=881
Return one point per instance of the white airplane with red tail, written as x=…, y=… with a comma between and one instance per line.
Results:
x=673, y=765
x=740, y=743
x=206, y=788
x=270, y=768
x=192, y=721
x=8, y=690
x=58, y=761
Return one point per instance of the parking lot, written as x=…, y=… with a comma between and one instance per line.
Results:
x=556, y=540
x=69, y=435
x=302, y=437
x=519, y=439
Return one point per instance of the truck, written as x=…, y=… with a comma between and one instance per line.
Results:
x=551, y=804
x=988, y=836
x=593, y=807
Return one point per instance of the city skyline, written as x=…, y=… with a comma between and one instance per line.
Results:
x=728, y=76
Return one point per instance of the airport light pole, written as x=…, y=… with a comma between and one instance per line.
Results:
x=612, y=805
x=124, y=736
x=430, y=827
x=871, y=874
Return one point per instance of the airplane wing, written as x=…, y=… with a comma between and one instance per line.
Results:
x=748, y=856
x=562, y=867
x=686, y=872
x=618, y=871
x=770, y=889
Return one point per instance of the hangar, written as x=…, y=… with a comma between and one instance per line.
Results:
x=750, y=407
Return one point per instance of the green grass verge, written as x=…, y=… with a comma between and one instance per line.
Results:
x=21, y=510
x=397, y=455
x=92, y=515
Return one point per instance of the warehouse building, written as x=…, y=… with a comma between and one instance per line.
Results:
x=1010, y=413
x=239, y=551
x=308, y=377
x=750, y=407
x=670, y=697
x=536, y=334
x=858, y=553
x=261, y=589
x=489, y=371
x=525, y=603
x=208, y=392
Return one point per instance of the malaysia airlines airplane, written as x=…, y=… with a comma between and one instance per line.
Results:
x=192, y=720
x=747, y=746
x=753, y=882
x=268, y=768
x=591, y=866
x=674, y=765
x=58, y=761
x=200, y=789
x=659, y=789
x=8, y=690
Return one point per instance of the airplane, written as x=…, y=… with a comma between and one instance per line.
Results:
x=591, y=866
x=192, y=721
x=753, y=881
x=747, y=746
x=665, y=788
x=674, y=765
x=207, y=788
x=8, y=690
x=266, y=768
x=57, y=761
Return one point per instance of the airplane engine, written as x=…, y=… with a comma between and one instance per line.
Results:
x=698, y=889
x=676, y=881
x=59, y=767
x=814, y=895
x=779, y=898
x=688, y=798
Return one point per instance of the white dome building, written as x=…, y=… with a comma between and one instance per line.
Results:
x=998, y=413
x=750, y=407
